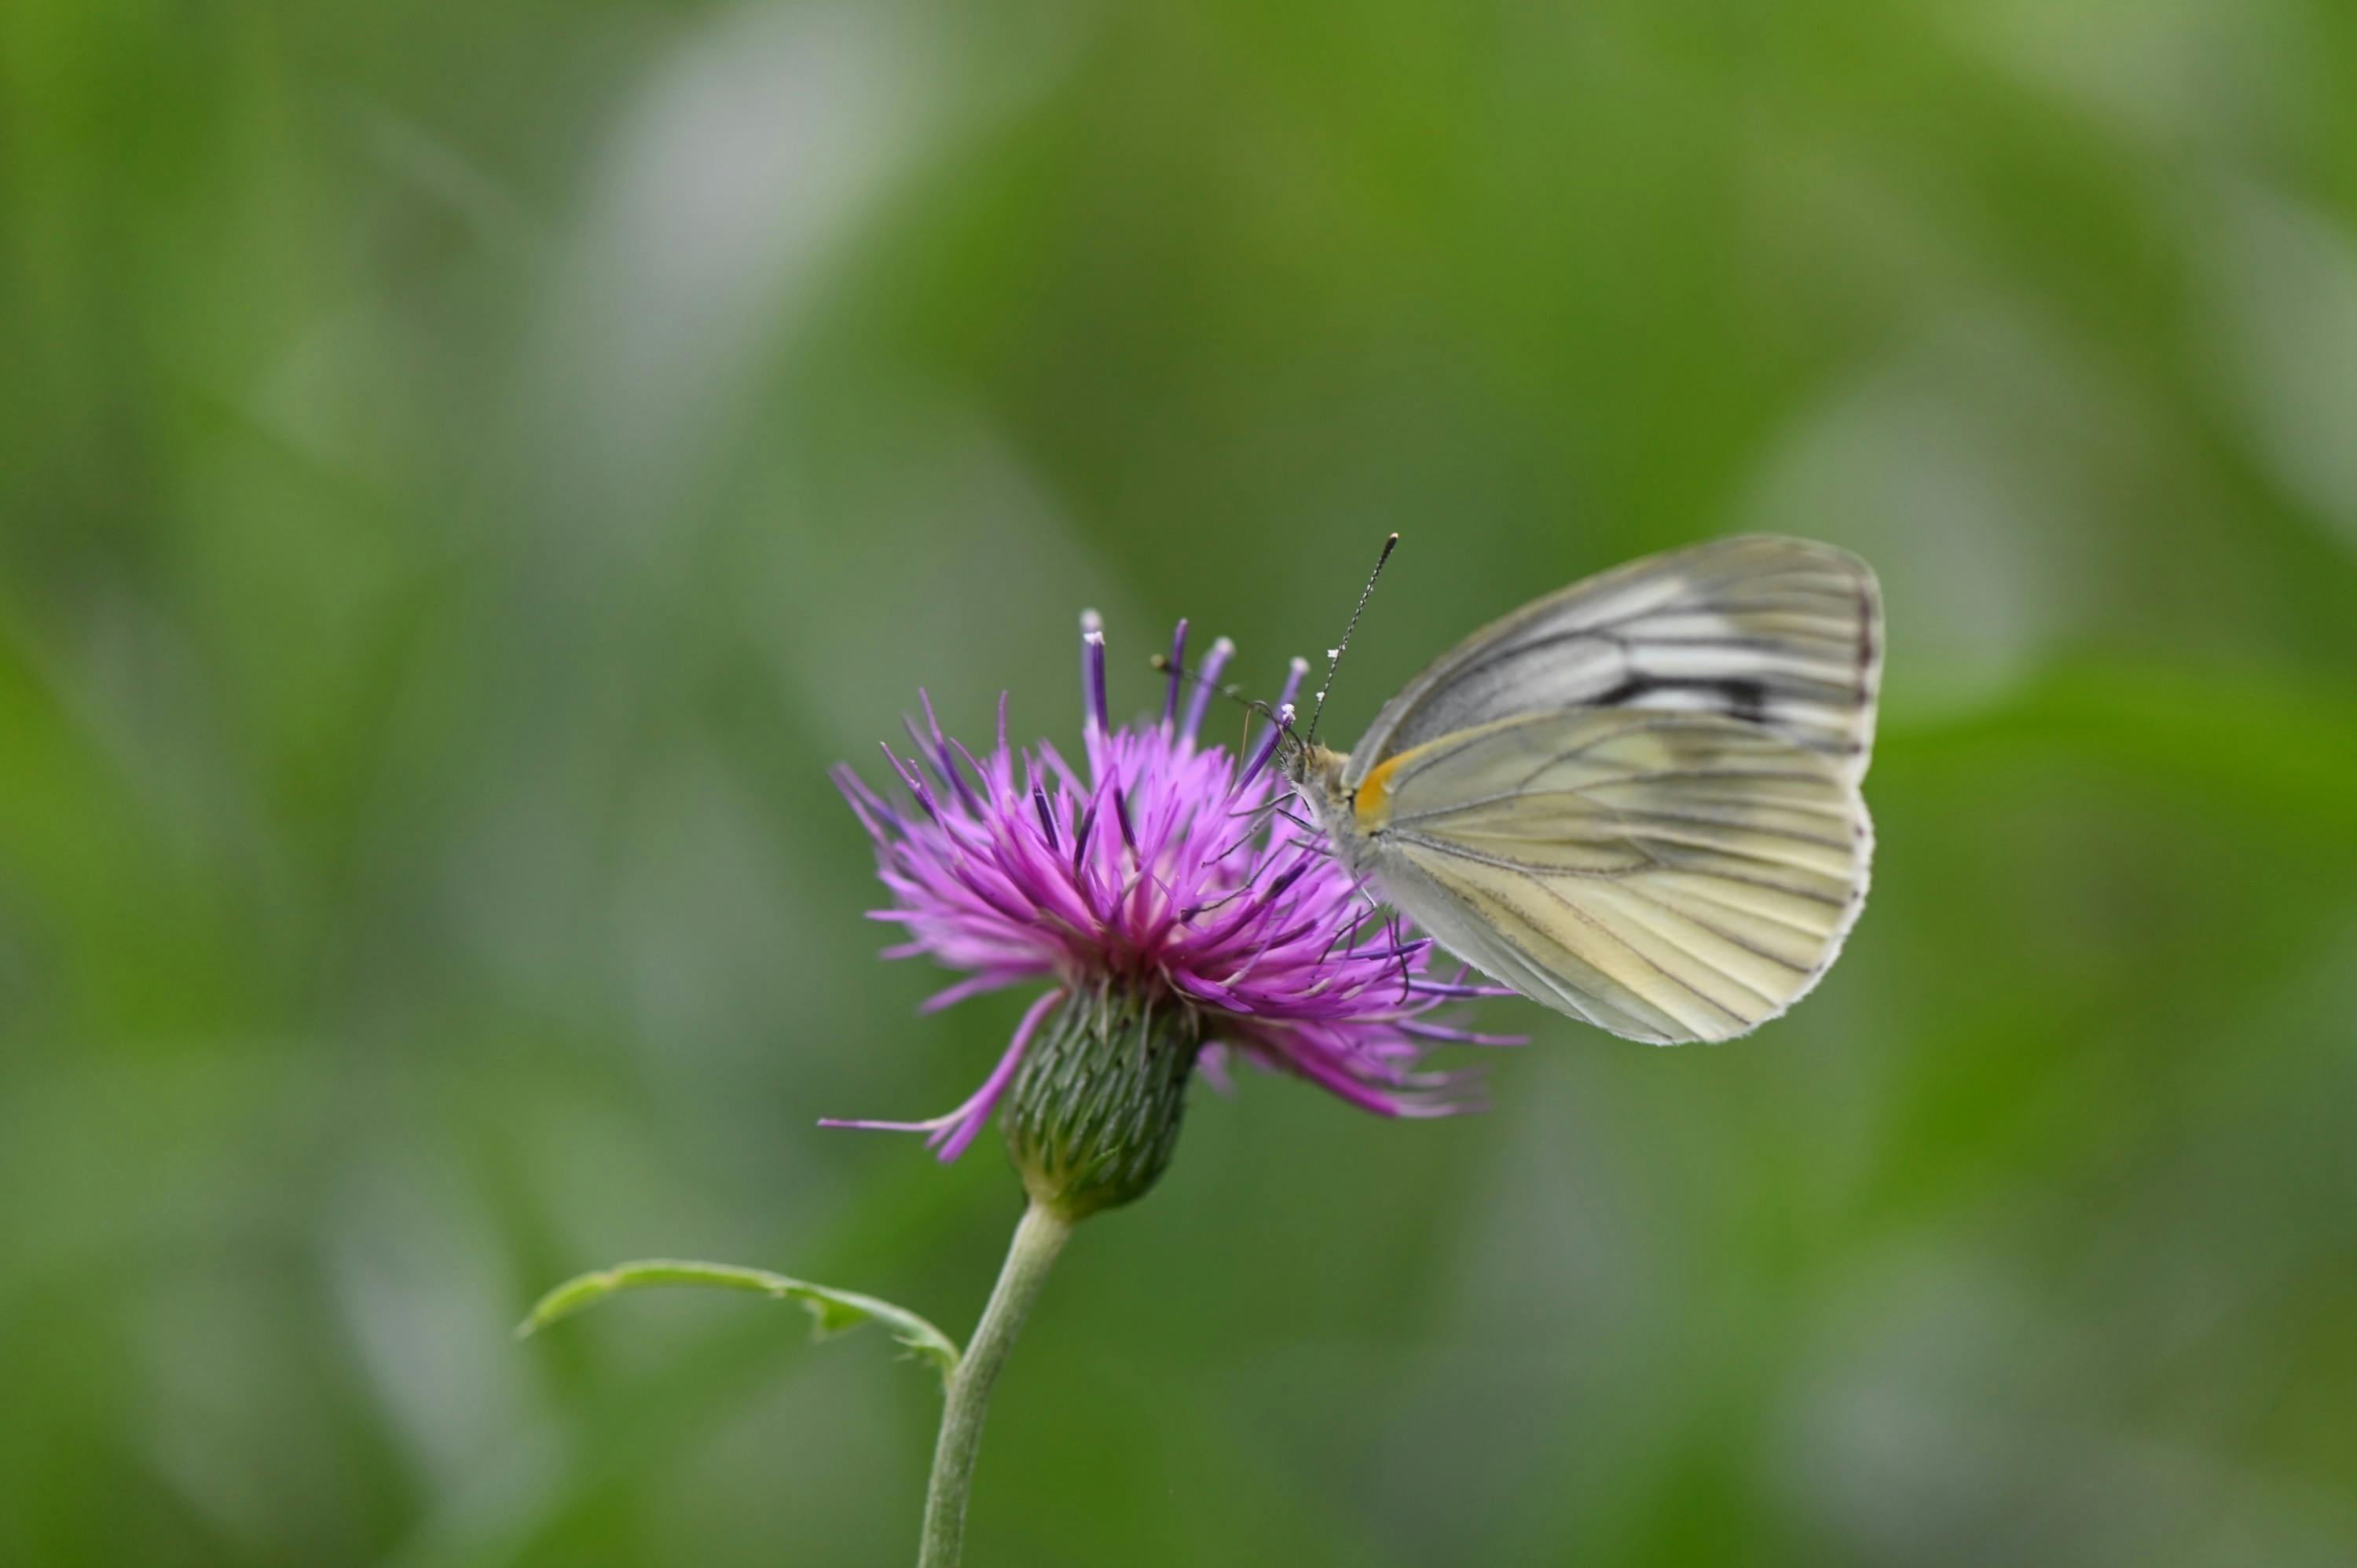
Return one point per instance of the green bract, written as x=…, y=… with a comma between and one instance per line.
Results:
x=1094, y=1113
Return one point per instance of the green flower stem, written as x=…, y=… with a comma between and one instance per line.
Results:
x=1036, y=1241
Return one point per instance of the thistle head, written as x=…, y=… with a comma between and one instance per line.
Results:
x=1179, y=916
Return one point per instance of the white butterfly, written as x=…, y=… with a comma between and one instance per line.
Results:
x=1635, y=800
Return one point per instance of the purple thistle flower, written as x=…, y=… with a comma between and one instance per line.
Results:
x=1166, y=875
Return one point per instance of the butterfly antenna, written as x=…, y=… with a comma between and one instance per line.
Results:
x=1334, y=654
x=1233, y=692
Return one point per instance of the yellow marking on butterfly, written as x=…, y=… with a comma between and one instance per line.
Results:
x=1372, y=804
x=1372, y=801
x=1372, y=798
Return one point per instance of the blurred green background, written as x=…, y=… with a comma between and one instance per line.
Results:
x=465, y=469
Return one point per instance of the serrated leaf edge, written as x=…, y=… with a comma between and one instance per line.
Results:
x=832, y=1311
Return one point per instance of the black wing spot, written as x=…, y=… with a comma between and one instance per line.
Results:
x=1746, y=696
x=1628, y=692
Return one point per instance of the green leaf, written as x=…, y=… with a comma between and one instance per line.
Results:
x=832, y=1311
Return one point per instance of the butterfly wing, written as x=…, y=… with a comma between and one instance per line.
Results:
x=1780, y=633
x=1670, y=877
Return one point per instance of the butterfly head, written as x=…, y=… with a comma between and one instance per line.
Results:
x=1317, y=772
